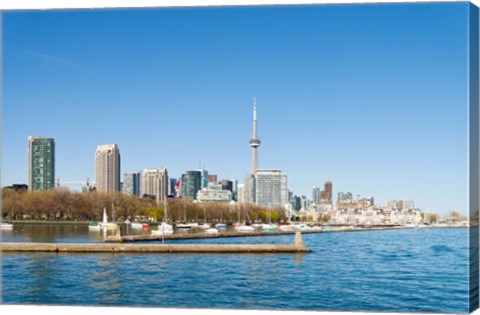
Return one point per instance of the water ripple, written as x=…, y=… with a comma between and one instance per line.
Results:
x=410, y=270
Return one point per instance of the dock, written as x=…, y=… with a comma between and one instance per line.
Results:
x=190, y=236
x=296, y=247
x=223, y=234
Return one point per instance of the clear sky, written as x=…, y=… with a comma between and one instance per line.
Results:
x=373, y=97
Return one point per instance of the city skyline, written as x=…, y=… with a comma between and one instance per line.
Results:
x=393, y=128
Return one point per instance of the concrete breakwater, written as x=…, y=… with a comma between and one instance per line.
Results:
x=190, y=236
x=296, y=247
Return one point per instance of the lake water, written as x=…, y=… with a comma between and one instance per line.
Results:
x=414, y=270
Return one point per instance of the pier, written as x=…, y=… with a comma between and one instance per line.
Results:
x=190, y=236
x=296, y=247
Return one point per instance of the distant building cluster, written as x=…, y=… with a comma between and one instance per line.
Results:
x=264, y=187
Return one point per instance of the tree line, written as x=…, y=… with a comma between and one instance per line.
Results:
x=65, y=205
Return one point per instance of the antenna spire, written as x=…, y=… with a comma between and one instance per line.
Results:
x=254, y=108
x=254, y=140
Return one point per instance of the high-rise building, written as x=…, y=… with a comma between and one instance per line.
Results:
x=154, y=183
x=172, y=189
x=241, y=193
x=316, y=195
x=271, y=190
x=249, y=189
x=226, y=185
x=400, y=204
x=107, y=168
x=131, y=184
x=408, y=204
x=204, y=176
x=41, y=163
x=328, y=191
x=305, y=203
x=190, y=184
x=344, y=197
x=254, y=140
x=297, y=203
x=212, y=178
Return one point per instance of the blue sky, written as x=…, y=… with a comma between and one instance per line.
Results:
x=373, y=97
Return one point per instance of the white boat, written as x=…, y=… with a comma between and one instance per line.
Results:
x=221, y=226
x=163, y=229
x=211, y=231
x=94, y=226
x=287, y=228
x=256, y=225
x=110, y=226
x=203, y=226
x=303, y=227
x=6, y=226
x=136, y=225
x=244, y=228
x=105, y=224
x=269, y=227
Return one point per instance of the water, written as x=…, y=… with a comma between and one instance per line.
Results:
x=414, y=270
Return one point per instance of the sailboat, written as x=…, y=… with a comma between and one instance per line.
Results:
x=164, y=228
x=185, y=226
x=242, y=227
x=269, y=226
x=204, y=225
x=105, y=224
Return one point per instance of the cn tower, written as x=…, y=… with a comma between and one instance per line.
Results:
x=254, y=140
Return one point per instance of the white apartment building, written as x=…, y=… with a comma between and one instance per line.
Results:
x=107, y=168
x=271, y=188
x=214, y=193
x=154, y=182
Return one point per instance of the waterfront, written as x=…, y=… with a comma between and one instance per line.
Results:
x=393, y=270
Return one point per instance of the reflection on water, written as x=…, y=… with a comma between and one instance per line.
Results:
x=298, y=258
x=106, y=278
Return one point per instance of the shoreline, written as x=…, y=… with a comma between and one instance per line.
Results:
x=360, y=226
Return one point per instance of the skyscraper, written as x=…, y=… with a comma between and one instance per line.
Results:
x=254, y=140
x=271, y=188
x=172, y=190
x=316, y=195
x=328, y=191
x=41, y=163
x=107, y=168
x=204, y=175
x=240, y=193
x=131, y=184
x=190, y=184
x=154, y=182
x=249, y=189
x=326, y=194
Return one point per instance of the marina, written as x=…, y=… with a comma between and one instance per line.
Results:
x=240, y=231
